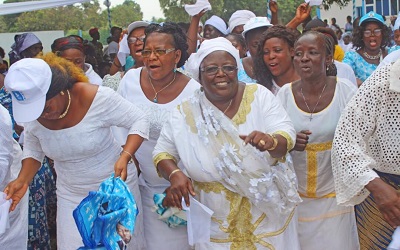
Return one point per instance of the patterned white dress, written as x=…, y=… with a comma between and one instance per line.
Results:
x=84, y=156
x=158, y=235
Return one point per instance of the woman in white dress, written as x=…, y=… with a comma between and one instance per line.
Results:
x=158, y=88
x=228, y=137
x=314, y=104
x=69, y=120
x=15, y=237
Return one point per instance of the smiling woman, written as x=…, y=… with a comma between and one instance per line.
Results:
x=226, y=139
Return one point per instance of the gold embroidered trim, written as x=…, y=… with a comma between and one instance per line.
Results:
x=162, y=156
x=326, y=216
x=189, y=116
x=245, y=104
x=288, y=138
x=312, y=165
x=240, y=230
x=330, y=195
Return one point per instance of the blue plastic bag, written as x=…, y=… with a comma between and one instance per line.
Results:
x=106, y=218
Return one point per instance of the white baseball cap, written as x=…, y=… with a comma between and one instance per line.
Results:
x=136, y=25
x=28, y=81
x=254, y=23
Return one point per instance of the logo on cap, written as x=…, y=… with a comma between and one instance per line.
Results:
x=18, y=95
x=371, y=14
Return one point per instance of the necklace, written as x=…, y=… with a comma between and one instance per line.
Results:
x=155, y=99
x=67, y=109
x=229, y=105
x=319, y=98
x=372, y=57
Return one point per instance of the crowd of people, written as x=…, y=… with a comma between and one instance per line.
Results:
x=287, y=132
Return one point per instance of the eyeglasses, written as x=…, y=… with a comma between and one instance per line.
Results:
x=376, y=32
x=157, y=52
x=213, y=70
x=134, y=39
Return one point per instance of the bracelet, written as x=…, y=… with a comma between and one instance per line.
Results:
x=126, y=152
x=173, y=172
x=275, y=140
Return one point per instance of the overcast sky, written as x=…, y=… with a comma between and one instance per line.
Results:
x=149, y=8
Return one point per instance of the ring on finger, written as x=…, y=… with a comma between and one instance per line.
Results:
x=261, y=143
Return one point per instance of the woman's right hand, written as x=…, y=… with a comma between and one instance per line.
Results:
x=181, y=186
x=387, y=199
x=301, y=140
x=16, y=191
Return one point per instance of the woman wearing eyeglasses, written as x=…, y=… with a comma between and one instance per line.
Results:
x=158, y=88
x=226, y=146
x=369, y=40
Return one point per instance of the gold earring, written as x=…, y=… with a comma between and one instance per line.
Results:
x=62, y=93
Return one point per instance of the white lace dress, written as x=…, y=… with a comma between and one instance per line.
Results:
x=158, y=235
x=84, y=156
x=322, y=223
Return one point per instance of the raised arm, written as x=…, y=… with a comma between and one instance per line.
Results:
x=302, y=12
x=192, y=32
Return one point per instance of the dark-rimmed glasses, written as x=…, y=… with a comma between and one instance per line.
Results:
x=213, y=70
x=376, y=32
x=157, y=52
x=133, y=39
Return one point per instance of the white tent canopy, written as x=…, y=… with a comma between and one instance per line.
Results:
x=18, y=7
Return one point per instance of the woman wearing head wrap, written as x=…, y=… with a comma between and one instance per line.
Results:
x=26, y=45
x=158, y=87
x=318, y=97
x=71, y=48
x=214, y=27
x=227, y=138
x=369, y=40
x=238, y=19
x=42, y=190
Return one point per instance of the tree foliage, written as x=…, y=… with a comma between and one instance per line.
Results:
x=73, y=17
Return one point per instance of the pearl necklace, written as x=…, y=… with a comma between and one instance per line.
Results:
x=155, y=99
x=368, y=56
x=67, y=109
x=319, y=98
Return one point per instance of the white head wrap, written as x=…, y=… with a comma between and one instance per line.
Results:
x=397, y=23
x=218, y=23
x=207, y=47
x=240, y=17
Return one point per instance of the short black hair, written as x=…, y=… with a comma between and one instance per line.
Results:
x=179, y=38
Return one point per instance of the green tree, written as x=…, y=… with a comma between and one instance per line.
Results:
x=122, y=15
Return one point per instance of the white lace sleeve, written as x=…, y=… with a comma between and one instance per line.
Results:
x=6, y=144
x=122, y=113
x=32, y=147
x=352, y=160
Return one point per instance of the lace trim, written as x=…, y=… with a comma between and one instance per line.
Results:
x=312, y=166
x=162, y=156
x=240, y=217
x=245, y=104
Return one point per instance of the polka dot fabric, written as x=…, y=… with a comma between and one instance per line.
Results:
x=367, y=137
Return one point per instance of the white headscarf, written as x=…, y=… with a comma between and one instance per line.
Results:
x=240, y=17
x=218, y=23
x=397, y=23
x=192, y=65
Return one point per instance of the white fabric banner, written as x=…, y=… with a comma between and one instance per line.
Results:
x=18, y=7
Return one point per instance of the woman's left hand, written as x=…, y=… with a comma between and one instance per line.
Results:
x=121, y=168
x=259, y=140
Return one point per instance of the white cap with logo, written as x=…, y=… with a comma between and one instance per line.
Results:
x=28, y=81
